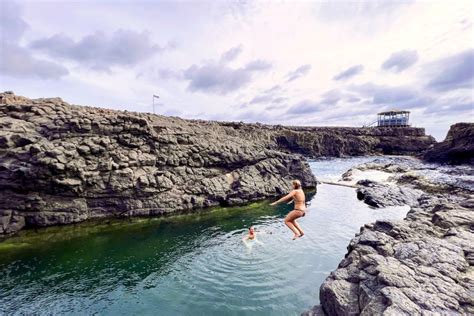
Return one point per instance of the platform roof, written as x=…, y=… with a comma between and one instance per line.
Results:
x=393, y=112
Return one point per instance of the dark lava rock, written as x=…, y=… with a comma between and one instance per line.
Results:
x=382, y=195
x=422, y=265
x=62, y=164
x=413, y=266
x=457, y=148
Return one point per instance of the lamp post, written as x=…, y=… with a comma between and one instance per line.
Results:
x=157, y=97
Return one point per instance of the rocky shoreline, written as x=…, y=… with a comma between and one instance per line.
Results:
x=62, y=163
x=423, y=264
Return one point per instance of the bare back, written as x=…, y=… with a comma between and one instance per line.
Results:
x=299, y=199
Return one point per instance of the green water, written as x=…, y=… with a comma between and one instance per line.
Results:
x=186, y=265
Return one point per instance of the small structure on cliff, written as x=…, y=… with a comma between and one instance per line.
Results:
x=393, y=118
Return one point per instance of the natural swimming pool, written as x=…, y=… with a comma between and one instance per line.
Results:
x=187, y=265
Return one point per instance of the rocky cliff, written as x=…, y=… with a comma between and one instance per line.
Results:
x=457, y=148
x=423, y=265
x=61, y=163
x=339, y=141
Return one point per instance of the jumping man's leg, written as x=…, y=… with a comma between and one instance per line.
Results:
x=298, y=227
x=289, y=222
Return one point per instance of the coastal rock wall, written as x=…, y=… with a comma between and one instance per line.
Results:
x=457, y=148
x=421, y=265
x=62, y=163
x=339, y=141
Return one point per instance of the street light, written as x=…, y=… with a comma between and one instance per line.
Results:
x=154, y=97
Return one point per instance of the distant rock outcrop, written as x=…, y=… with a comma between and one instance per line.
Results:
x=457, y=148
x=62, y=163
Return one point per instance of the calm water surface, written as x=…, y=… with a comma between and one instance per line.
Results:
x=187, y=265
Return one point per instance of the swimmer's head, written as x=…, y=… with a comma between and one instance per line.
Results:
x=296, y=184
x=251, y=229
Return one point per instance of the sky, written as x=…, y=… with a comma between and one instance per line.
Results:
x=333, y=63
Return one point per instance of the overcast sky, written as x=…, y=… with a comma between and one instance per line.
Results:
x=298, y=63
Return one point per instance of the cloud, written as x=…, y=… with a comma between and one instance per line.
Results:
x=451, y=73
x=298, y=72
x=334, y=11
x=100, y=51
x=452, y=105
x=12, y=25
x=263, y=98
x=274, y=107
x=258, y=65
x=216, y=78
x=15, y=60
x=353, y=99
x=274, y=89
x=165, y=73
x=455, y=106
x=349, y=72
x=400, y=61
x=231, y=54
x=272, y=95
x=219, y=78
x=279, y=100
x=331, y=97
x=305, y=107
x=462, y=107
x=392, y=96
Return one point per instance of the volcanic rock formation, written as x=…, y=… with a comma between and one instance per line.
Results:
x=62, y=163
x=422, y=265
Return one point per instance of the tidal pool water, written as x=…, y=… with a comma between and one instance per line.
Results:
x=190, y=264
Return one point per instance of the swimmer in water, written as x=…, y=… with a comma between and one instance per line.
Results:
x=297, y=196
x=251, y=238
x=252, y=234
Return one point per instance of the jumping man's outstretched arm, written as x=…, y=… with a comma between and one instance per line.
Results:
x=287, y=197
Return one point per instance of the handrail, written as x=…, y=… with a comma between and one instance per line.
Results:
x=370, y=124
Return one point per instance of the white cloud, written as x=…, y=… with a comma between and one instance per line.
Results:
x=400, y=61
x=298, y=72
x=101, y=51
x=349, y=72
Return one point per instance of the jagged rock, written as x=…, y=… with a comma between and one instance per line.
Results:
x=457, y=148
x=63, y=164
x=426, y=273
x=422, y=265
x=382, y=195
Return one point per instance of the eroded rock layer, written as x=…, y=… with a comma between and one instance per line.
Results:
x=62, y=163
